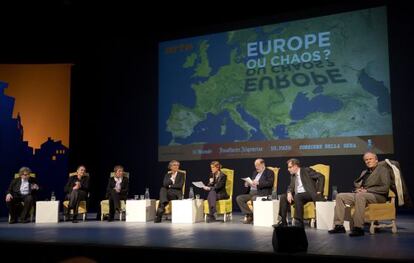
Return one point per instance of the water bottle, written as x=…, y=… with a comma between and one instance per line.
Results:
x=147, y=195
x=191, y=193
x=53, y=197
x=334, y=192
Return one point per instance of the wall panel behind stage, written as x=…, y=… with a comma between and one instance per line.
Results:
x=115, y=117
x=34, y=124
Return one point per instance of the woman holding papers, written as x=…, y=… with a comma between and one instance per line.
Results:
x=172, y=188
x=216, y=187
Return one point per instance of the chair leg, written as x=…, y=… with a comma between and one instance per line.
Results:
x=84, y=217
x=372, y=228
x=205, y=218
x=225, y=217
x=101, y=216
x=231, y=216
x=313, y=223
x=394, y=227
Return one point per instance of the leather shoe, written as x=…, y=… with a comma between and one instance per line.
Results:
x=210, y=218
x=110, y=219
x=248, y=220
x=13, y=221
x=75, y=220
x=356, y=232
x=337, y=229
x=299, y=224
x=157, y=219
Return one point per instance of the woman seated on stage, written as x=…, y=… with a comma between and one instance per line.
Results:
x=76, y=190
x=116, y=191
x=217, y=189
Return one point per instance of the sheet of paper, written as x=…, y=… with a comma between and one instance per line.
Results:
x=248, y=180
x=199, y=184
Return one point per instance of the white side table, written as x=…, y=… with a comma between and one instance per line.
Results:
x=187, y=211
x=325, y=215
x=265, y=213
x=140, y=210
x=47, y=211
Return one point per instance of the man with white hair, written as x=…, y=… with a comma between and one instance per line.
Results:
x=372, y=186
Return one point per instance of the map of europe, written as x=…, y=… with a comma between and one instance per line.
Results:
x=207, y=94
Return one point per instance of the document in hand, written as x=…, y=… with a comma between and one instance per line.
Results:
x=248, y=180
x=199, y=184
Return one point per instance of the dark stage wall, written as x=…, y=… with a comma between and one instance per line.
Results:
x=114, y=89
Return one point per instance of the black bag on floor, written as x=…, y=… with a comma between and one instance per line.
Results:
x=289, y=239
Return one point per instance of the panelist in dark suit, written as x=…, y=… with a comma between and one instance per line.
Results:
x=372, y=186
x=305, y=185
x=76, y=190
x=116, y=191
x=21, y=189
x=262, y=186
x=172, y=188
x=217, y=189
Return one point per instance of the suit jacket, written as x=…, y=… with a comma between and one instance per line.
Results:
x=378, y=183
x=312, y=181
x=14, y=187
x=84, y=184
x=177, y=186
x=407, y=199
x=219, y=185
x=124, y=187
x=265, y=186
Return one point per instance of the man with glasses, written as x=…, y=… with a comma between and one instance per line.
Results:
x=21, y=190
x=305, y=185
x=262, y=184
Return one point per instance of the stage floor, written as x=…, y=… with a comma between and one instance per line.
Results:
x=230, y=236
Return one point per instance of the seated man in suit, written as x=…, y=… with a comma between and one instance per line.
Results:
x=116, y=191
x=372, y=186
x=305, y=185
x=262, y=186
x=76, y=190
x=21, y=189
x=172, y=188
x=216, y=188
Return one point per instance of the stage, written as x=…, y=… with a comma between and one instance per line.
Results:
x=105, y=241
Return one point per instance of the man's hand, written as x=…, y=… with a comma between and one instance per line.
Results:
x=35, y=187
x=211, y=180
x=361, y=190
x=206, y=188
x=290, y=197
x=9, y=197
x=255, y=183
